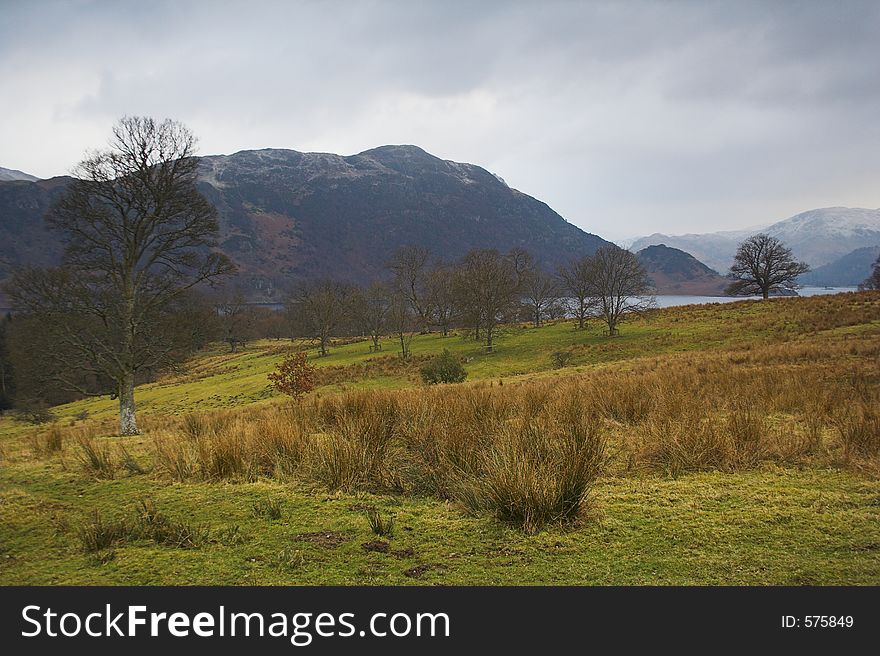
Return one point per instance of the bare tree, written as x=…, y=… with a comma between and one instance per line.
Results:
x=488, y=285
x=402, y=322
x=763, y=264
x=540, y=291
x=576, y=282
x=441, y=296
x=324, y=306
x=236, y=320
x=620, y=285
x=410, y=267
x=371, y=307
x=138, y=234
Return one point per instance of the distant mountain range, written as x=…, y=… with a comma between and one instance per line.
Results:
x=287, y=216
x=817, y=237
x=6, y=175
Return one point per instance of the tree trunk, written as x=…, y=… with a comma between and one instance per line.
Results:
x=127, y=419
x=488, y=340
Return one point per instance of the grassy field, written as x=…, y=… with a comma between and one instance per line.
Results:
x=741, y=445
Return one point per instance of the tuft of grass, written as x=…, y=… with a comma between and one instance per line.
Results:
x=269, y=508
x=540, y=471
x=98, y=533
x=95, y=458
x=129, y=462
x=381, y=526
x=859, y=428
x=153, y=524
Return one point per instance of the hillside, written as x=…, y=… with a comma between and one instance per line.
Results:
x=848, y=271
x=287, y=216
x=7, y=175
x=675, y=272
x=817, y=237
x=242, y=478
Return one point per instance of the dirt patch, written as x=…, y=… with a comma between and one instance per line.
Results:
x=378, y=546
x=417, y=571
x=325, y=539
x=406, y=552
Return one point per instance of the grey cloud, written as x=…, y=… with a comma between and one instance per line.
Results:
x=627, y=117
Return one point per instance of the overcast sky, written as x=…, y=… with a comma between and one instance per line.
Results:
x=627, y=118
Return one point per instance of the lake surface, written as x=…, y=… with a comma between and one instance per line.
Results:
x=665, y=301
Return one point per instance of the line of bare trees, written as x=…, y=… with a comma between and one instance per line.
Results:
x=480, y=293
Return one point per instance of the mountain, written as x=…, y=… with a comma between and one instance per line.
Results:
x=7, y=175
x=848, y=271
x=816, y=237
x=287, y=216
x=675, y=272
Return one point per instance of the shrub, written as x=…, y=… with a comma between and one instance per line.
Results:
x=294, y=376
x=444, y=368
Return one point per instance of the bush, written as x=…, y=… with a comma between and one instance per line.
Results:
x=444, y=368
x=294, y=376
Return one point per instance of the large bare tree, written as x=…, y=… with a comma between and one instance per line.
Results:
x=138, y=235
x=763, y=264
x=619, y=284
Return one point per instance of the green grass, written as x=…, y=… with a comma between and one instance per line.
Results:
x=764, y=527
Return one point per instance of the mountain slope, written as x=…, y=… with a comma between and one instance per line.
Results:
x=288, y=216
x=674, y=271
x=848, y=271
x=8, y=175
x=816, y=237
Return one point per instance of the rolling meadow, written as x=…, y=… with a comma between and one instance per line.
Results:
x=715, y=444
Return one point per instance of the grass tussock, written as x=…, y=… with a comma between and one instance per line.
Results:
x=381, y=526
x=95, y=458
x=147, y=522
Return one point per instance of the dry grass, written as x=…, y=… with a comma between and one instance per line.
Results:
x=529, y=452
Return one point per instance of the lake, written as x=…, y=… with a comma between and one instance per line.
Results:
x=664, y=301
